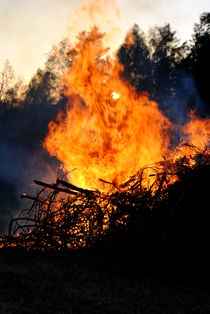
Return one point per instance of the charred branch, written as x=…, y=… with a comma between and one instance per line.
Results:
x=23, y=195
x=54, y=187
x=73, y=187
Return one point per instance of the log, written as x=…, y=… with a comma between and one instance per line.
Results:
x=23, y=195
x=54, y=187
x=74, y=187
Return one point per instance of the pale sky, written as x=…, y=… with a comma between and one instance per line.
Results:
x=29, y=28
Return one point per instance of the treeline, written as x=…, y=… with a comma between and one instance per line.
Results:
x=175, y=75
x=25, y=111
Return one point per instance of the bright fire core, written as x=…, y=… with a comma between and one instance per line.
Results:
x=108, y=130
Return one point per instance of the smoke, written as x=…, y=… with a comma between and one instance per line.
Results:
x=22, y=158
x=18, y=168
x=185, y=100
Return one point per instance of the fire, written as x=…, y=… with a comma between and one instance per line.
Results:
x=105, y=14
x=108, y=130
x=128, y=39
x=115, y=95
x=198, y=131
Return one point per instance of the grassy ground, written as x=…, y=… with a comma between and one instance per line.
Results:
x=37, y=284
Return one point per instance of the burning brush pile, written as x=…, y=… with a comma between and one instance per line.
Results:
x=108, y=134
x=63, y=216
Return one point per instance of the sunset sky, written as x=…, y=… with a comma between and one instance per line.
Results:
x=28, y=28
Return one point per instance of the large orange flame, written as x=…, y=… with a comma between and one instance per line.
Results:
x=108, y=131
x=103, y=13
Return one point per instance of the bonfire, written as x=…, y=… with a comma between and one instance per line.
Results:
x=117, y=151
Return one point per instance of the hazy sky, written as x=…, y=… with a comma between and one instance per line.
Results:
x=29, y=28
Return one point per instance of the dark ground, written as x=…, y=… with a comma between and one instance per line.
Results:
x=163, y=273
x=81, y=283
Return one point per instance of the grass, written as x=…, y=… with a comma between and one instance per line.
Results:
x=79, y=284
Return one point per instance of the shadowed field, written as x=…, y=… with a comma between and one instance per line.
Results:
x=81, y=284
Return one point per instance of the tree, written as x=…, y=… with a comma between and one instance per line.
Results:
x=7, y=78
x=198, y=61
x=165, y=55
x=44, y=96
x=135, y=56
x=59, y=60
x=12, y=88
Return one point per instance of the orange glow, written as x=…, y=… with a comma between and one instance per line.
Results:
x=109, y=131
x=128, y=39
x=103, y=13
x=198, y=131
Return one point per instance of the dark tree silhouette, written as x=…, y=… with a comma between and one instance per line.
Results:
x=198, y=61
x=25, y=112
x=44, y=97
x=155, y=65
x=165, y=54
x=135, y=56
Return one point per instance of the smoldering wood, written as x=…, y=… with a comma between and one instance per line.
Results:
x=54, y=187
x=23, y=195
x=71, y=218
x=110, y=183
x=73, y=187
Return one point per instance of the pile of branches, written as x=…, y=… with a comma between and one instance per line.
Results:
x=143, y=210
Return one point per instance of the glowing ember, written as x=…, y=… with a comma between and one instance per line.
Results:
x=108, y=137
x=115, y=95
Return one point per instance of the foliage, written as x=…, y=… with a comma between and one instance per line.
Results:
x=165, y=56
x=155, y=64
x=198, y=61
x=135, y=56
x=11, y=88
